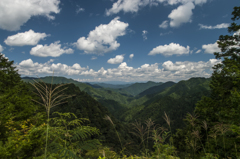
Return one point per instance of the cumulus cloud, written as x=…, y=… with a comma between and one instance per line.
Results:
x=28, y=67
x=211, y=48
x=127, y=6
x=181, y=15
x=15, y=13
x=218, y=26
x=168, y=71
x=118, y=59
x=1, y=48
x=133, y=6
x=169, y=50
x=186, y=67
x=164, y=24
x=144, y=34
x=103, y=38
x=26, y=38
x=54, y=50
x=198, y=51
x=131, y=56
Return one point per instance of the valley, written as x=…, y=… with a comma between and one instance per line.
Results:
x=141, y=101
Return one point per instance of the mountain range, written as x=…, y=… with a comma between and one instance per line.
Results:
x=141, y=101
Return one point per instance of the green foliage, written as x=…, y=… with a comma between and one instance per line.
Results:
x=226, y=77
x=155, y=89
x=8, y=73
x=71, y=142
x=137, y=88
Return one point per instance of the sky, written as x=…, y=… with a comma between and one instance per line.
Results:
x=114, y=40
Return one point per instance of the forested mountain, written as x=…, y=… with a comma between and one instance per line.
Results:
x=100, y=93
x=155, y=89
x=114, y=86
x=84, y=106
x=175, y=100
x=125, y=107
x=137, y=88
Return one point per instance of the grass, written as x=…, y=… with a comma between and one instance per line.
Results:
x=160, y=134
x=50, y=98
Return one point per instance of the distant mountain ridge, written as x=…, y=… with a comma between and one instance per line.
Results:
x=155, y=89
x=175, y=100
x=114, y=86
x=145, y=100
x=137, y=88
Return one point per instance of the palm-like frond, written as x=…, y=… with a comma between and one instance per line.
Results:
x=84, y=132
x=50, y=98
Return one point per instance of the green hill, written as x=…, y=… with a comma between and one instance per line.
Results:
x=176, y=101
x=84, y=106
x=155, y=89
x=117, y=86
x=97, y=93
x=137, y=88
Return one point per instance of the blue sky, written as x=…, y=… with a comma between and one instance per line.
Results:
x=114, y=40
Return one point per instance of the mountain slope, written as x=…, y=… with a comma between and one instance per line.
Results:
x=97, y=94
x=155, y=89
x=117, y=86
x=137, y=88
x=84, y=106
x=56, y=80
x=183, y=88
x=176, y=101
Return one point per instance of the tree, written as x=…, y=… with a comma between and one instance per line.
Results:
x=222, y=108
x=18, y=115
x=8, y=73
x=225, y=80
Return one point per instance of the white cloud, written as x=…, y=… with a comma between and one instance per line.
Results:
x=127, y=6
x=170, y=32
x=144, y=34
x=218, y=26
x=103, y=38
x=181, y=15
x=131, y=56
x=26, y=63
x=118, y=59
x=183, y=68
x=200, y=2
x=198, y=51
x=168, y=71
x=25, y=38
x=174, y=2
x=54, y=50
x=211, y=48
x=93, y=58
x=79, y=9
x=133, y=6
x=28, y=67
x=169, y=50
x=1, y=48
x=14, y=13
x=164, y=24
